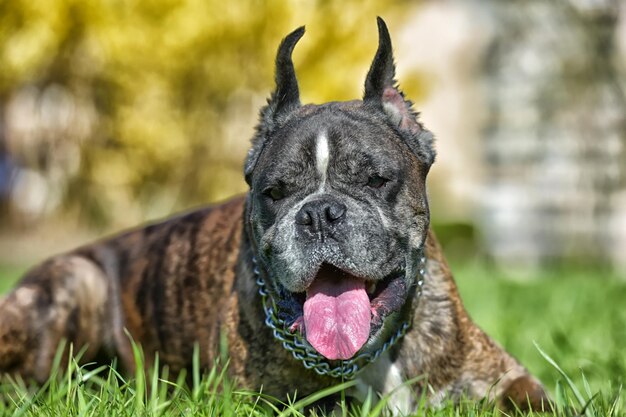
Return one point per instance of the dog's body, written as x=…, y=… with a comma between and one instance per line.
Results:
x=334, y=230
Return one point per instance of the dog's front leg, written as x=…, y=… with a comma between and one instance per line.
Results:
x=386, y=378
x=458, y=358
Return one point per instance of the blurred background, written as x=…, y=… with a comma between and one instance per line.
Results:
x=113, y=113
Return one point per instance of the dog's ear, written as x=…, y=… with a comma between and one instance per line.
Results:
x=284, y=99
x=382, y=92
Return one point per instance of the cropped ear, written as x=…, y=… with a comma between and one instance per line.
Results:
x=284, y=99
x=382, y=92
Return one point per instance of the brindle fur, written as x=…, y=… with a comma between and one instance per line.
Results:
x=177, y=283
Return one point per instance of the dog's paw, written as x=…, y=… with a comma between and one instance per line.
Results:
x=525, y=394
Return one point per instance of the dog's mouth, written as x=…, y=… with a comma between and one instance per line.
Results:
x=342, y=311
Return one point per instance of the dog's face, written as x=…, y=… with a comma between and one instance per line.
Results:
x=337, y=210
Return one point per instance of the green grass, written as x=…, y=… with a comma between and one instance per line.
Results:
x=577, y=318
x=8, y=276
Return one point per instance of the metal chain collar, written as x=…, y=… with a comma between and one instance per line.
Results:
x=310, y=358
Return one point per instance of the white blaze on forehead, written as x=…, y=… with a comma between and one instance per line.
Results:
x=322, y=156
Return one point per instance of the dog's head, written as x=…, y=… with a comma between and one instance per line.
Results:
x=337, y=209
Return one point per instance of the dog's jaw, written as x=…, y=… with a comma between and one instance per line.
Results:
x=284, y=316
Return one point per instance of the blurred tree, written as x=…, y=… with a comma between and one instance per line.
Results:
x=119, y=111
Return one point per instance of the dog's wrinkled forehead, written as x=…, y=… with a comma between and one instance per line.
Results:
x=383, y=114
x=332, y=137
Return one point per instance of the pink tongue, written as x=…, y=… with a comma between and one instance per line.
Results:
x=337, y=315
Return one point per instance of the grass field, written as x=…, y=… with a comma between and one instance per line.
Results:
x=578, y=318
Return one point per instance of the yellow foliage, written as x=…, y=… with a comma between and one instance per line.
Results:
x=168, y=82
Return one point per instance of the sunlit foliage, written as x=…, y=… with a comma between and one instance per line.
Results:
x=120, y=111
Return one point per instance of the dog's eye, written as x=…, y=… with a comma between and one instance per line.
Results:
x=274, y=193
x=376, y=181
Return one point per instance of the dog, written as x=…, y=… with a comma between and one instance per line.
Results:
x=326, y=270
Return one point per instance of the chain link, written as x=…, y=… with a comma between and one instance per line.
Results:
x=310, y=358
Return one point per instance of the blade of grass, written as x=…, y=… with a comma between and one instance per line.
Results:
x=311, y=399
x=579, y=397
x=140, y=375
x=154, y=385
x=367, y=404
x=195, y=371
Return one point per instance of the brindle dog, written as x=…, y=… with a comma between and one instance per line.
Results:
x=330, y=248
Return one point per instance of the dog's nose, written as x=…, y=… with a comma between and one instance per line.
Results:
x=319, y=215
